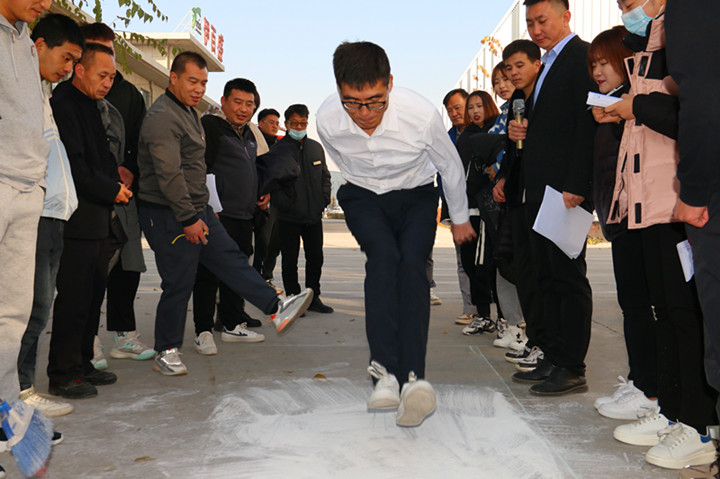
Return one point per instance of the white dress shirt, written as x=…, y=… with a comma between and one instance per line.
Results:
x=405, y=151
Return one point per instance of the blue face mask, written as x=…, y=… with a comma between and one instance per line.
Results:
x=636, y=20
x=297, y=134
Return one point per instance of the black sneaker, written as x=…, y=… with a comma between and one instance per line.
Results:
x=75, y=389
x=531, y=361
x=100, y=378
x=318, y=306
x=517, y=356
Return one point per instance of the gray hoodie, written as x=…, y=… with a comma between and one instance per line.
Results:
x=24, y=152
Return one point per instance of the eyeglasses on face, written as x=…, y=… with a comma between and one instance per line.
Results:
x=371, y=105
x=298, y=124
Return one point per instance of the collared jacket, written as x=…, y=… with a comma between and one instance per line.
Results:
x=171, y=159
x=646, y=186
x=304, y=201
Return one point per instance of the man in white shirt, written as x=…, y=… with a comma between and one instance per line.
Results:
x=388, y=145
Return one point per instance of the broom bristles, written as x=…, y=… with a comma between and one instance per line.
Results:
x=29, y=445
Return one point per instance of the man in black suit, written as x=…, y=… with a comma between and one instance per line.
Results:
x=558, y=152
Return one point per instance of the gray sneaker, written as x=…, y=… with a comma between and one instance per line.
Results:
x=168, y=362
x=290, y=309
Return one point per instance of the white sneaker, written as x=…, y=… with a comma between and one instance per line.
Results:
x=628, y=406
x=465, y=318
x=622, y=387
x=46, y=406
x=387, y=389
x=519, y=344
x=205, y=344
x=168, y=362
x=679, y=446
x=98, y=361
x=241, y=334
x=434, y=298
x=290, y=309
x=129, y=346
x=644, y=431
x=511, y=335
x=417, y=401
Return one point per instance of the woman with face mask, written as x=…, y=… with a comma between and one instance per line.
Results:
x=646, y=191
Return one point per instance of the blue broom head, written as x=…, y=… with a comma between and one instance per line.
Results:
x=29, y=435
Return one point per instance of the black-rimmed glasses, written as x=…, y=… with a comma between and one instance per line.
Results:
x=371, y=105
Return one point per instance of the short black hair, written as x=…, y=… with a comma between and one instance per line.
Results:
x=360, y=64
x=564, y=3
x=98, y=32
x=522, y=46
x=266, y=112
x=183, y=58
x=297, y=109
x=242, y=84
x=57, y=29
x=452, y=93
x=91, y=48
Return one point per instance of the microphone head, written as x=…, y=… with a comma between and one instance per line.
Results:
x=518, y=107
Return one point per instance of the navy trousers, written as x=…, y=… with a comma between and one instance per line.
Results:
x=396, y=230
x=177, y=264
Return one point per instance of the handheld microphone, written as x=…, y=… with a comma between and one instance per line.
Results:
x=518, y=107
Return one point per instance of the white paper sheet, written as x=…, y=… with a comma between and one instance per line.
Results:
x=214, y=200
x=566, y=227
x=686, y=259
x=598, y=99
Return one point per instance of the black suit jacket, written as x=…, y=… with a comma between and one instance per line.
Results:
x=558, y=149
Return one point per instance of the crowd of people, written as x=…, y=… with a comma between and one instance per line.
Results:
x=86, y=171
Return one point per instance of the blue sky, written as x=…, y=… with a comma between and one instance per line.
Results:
x=286, y=47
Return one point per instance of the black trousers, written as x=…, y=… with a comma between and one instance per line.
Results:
x=566, y=299
x=231, y=309
x=396, y=231
x=683, y=392
x=312, y=237
x=480, y=270
x=638, y=317
x=81, y=281
x=525, y=278
x=706, y=256
x=267, y=245
x=122, y=287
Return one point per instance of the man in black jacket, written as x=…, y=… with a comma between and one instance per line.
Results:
x=83, y=264
x=558, y=150
x=300, y=207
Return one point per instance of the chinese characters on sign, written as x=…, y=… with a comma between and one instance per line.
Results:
x=209, y=34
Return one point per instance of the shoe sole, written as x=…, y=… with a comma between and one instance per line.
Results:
x=578, y=388
x=58, y=412
x=58, y=392
x=385, y=404
x=229, y=338
x=117, y=354
x=636, y=439
x=463, y=322
x=418, y=406
x=169, y=373
x=282, y=327
x=698, y=459
x=101, y=366
x=525, y=367
x=528, y=381
x=205, y=352
x=612, y=415
x=514, y=360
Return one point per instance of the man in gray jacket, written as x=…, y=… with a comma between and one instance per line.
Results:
x=181, y=228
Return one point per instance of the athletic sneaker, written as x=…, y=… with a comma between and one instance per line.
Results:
x=241, y=334
x=519, y=344
x=98, y=361
x=387, y=390
x=644, y=431
x=434, y=298
x=531, y=361
x=517, y=356
x=511, y=334
x=628, y=406
x=679, y=446
x=129, y=346
x=205, y=344
x=290, y=309
x=168, y=363
x=417, y=401
x=622, y=387
x=478, y=326
x=46, y=406
x=501, y=326
x=465, y=318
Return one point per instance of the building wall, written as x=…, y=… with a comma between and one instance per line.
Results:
x=588, y=18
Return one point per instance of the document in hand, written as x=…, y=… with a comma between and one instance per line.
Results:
x=214, y=200
x=604, y=101
x=566, y=227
